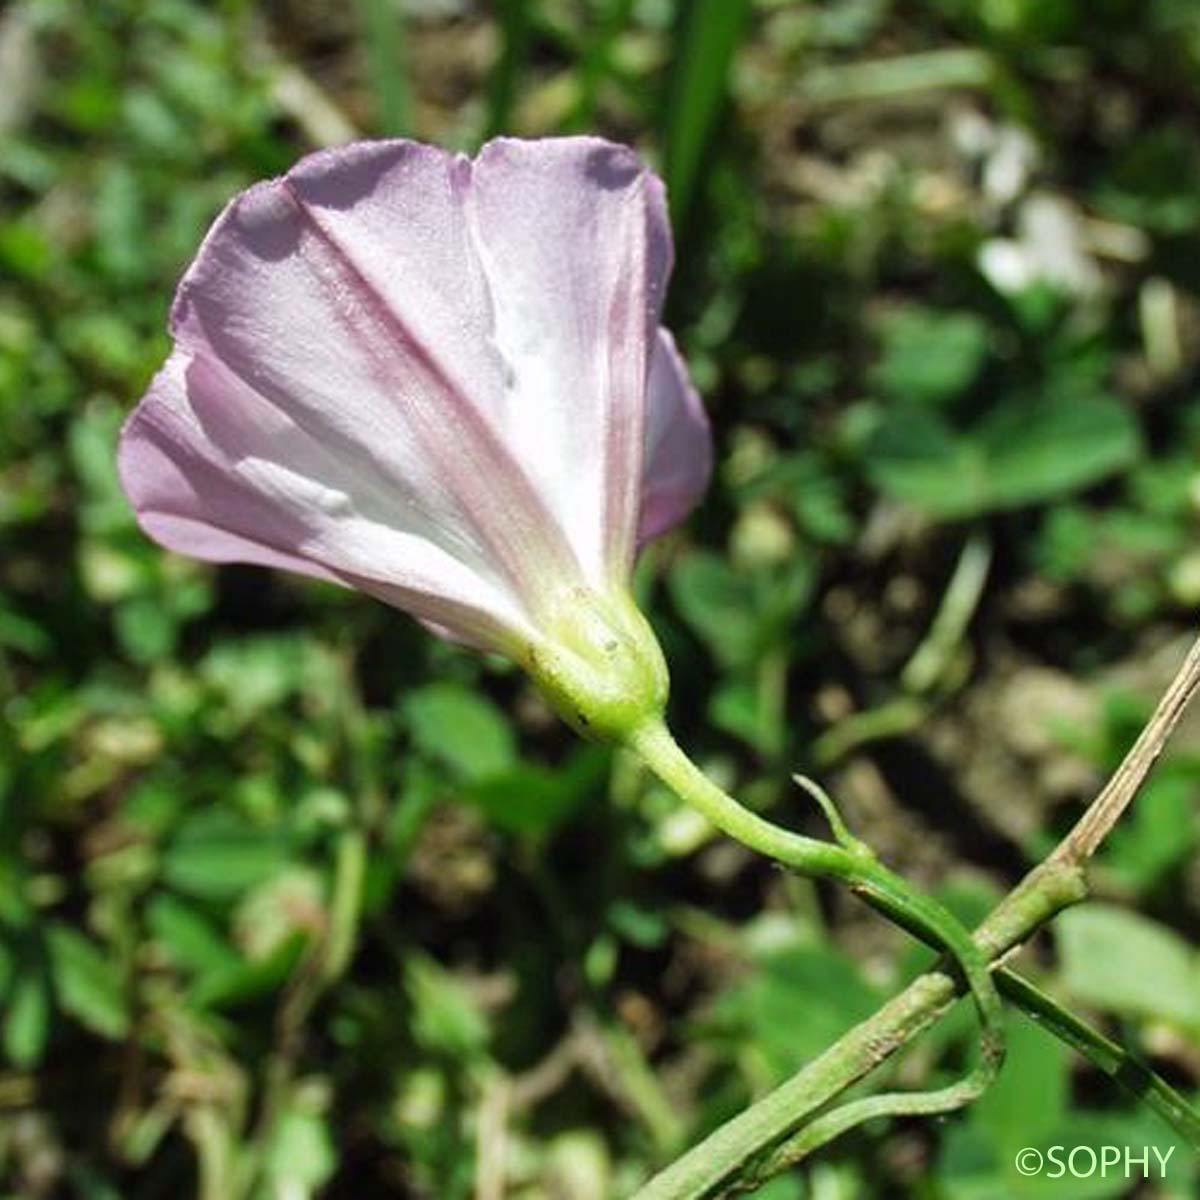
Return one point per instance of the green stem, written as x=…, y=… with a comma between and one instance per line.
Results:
x=1047, y=890
x=961, y=600
x=852, y=863
x=1142, y=1083
x=345, y=906
x=718, y=1159
x=1050, y=887
x=656, y=747
x=927, y=672
x=318, y=970
x=898, y=75
x=892, y=719
x=1103, y=1053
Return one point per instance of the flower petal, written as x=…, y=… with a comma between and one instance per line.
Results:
x=575, y=243
x=291, y=342
x=215, y=473
x=679, y=451
x=418, y=375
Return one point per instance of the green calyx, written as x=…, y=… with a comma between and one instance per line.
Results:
x=598, y=663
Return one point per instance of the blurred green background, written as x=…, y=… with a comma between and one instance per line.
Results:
x=939, y=283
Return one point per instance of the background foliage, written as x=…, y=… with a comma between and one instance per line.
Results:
x=939, y=268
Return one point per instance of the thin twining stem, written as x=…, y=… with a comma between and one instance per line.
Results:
x=853, y=863
x=1113, y=1060
x=1053, y=885
x=717, y=1160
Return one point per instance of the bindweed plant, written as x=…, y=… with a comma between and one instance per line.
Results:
x=442, y=381
x=298, y=900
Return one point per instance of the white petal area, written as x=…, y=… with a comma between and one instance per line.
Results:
x=280, y=300
x=216, y=473
x=429, y=378
x=679, y=450
x=574, y=241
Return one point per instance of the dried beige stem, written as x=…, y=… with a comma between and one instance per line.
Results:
x=1105, y=811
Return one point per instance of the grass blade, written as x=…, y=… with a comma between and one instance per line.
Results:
x=706, y=39
x=516, y=29
x=381, y=27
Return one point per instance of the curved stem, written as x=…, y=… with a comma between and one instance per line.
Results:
x=656, y=747
x=1050, y=887
x=852, y=863
x=709, y=1165
x=712, y=1164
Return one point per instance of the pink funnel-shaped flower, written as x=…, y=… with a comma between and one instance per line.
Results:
x=436, y=379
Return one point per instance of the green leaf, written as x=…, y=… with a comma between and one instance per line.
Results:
x=529, y=799
x=146, y=629
x=18, y=632
x=516, y=32
x=820, y=504
x=87, y=984
x=461, y=730
x=445, y=1017
x=24, y=250
x=26, y=1017
x=190, y=939
x=1021, y=453
x=644, y=927
x=1036, y=451
x=218, y=855
x=256, y=674
x=782, y=1187
x=1154, y=183
x=1031, y=1096
x=243, y=981
x=741, y=613
x=92, y=441
x=738, y=708
x=1124, y=963
x=383, y=44
x=718, y=603
x=930, y=357
x=916, y=457
x=1159, y=832
x=301, y=1157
